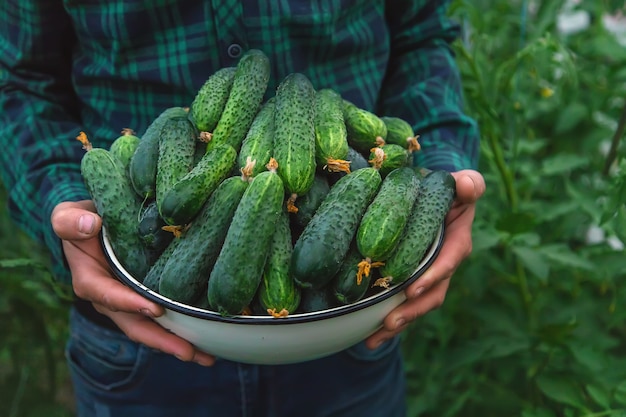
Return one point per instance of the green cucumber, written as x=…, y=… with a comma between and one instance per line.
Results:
x=177, y=146
x=143, y=164
x=309, y=202
x=238, y=269
x=258, y=144
x=324, y=242
x=349, y=284
x=395, y=157
x=331, y=138
x=124, y=147
x=278, y=293
x=208, y=104
x=185, y=276
x=182, y=202
x=150, y=230
x=314, y=300
x=365, y=129
x=294, y=140
x=117, y=203
x=246, y=94
x=436, y=194
x=153, y=277
x=385, y=218
x=400, y=132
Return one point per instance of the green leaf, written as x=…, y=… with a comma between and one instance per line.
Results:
x=619, y=394
x=483, y=239
x=562, y=255
x=563, y=163
x=533, y=261
x=20, y=263
x=538, y=412
x=562, y=390
x=570, y=117
x=599, y=395
x=516, y=223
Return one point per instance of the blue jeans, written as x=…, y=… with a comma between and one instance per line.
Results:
x=115, y=377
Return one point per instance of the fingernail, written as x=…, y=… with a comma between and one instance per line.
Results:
x=418, y=292
x=203, y=360
x=399, y=323
x=146, y=312
x=86, y=223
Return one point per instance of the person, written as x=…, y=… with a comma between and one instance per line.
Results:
x=100, y=66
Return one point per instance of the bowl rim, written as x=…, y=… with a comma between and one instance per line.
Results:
x=122, y=275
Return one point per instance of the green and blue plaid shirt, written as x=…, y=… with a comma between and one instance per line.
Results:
x=99, y=66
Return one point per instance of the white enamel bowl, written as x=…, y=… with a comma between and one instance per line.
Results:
x=265, y=340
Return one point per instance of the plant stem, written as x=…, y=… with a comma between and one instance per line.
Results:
x=617, y=136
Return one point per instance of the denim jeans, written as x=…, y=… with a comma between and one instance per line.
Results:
x=115, y=377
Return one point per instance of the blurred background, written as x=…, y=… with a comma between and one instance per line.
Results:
x=534, y=324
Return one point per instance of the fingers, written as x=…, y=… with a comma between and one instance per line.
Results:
x=76, y=220
x=143, y=330
x=410, y=310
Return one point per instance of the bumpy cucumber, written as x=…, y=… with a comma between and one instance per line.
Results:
x=258, y=144
x=278, y=293
x=237, y=272
x=177, y=146
x=294, y=140
x=208, y=104
x=117, y=203
x=400, y=132
x=180, y=204
x=331, y=138
x=123, y=148
x=143, y=164
x=385, y=218
x=436, y=194
x=153, y=277
x=349, y=285
x=395, y=157
x=365, y=129
x=246, y=94
x=185, y=276
x=309, y=202
x=150, y=230
x=324, y=242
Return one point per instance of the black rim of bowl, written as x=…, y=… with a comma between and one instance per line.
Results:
x=196, y=312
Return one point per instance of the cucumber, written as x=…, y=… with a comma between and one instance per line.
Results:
x=124, y=147
x=182, y=202
x=117, y=203
x=324, y=242
x=400, y=132
x=395, y=157
x=278, y=293
x=365, y=129
x=237, y=272
x=294, y=140
x=331, y=138
x=357, y=160
x=185, y=276
x=312, y=300
x=249, y=85
x=150, y=230
x=153, y=277
x=385, y=218
x=436, y=194
x=143, y=164
x=309, y=202
x=208, y=104
x=349, y=285
x=177, y=145
x=258, y=144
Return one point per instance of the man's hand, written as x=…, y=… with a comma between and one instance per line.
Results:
x=78, y=225
x=429, y=291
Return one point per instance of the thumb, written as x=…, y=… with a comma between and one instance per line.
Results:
x=76, y=220
x=470, y=185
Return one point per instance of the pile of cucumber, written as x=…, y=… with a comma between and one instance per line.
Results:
x=298, y=203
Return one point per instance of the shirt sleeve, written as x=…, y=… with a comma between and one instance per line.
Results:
x=40, y=155
x=423, y=86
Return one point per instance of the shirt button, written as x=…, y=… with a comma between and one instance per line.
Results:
x=234, y=50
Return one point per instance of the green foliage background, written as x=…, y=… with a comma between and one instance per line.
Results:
x=534, y=322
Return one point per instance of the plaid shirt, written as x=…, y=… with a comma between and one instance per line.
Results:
x=100, y=66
